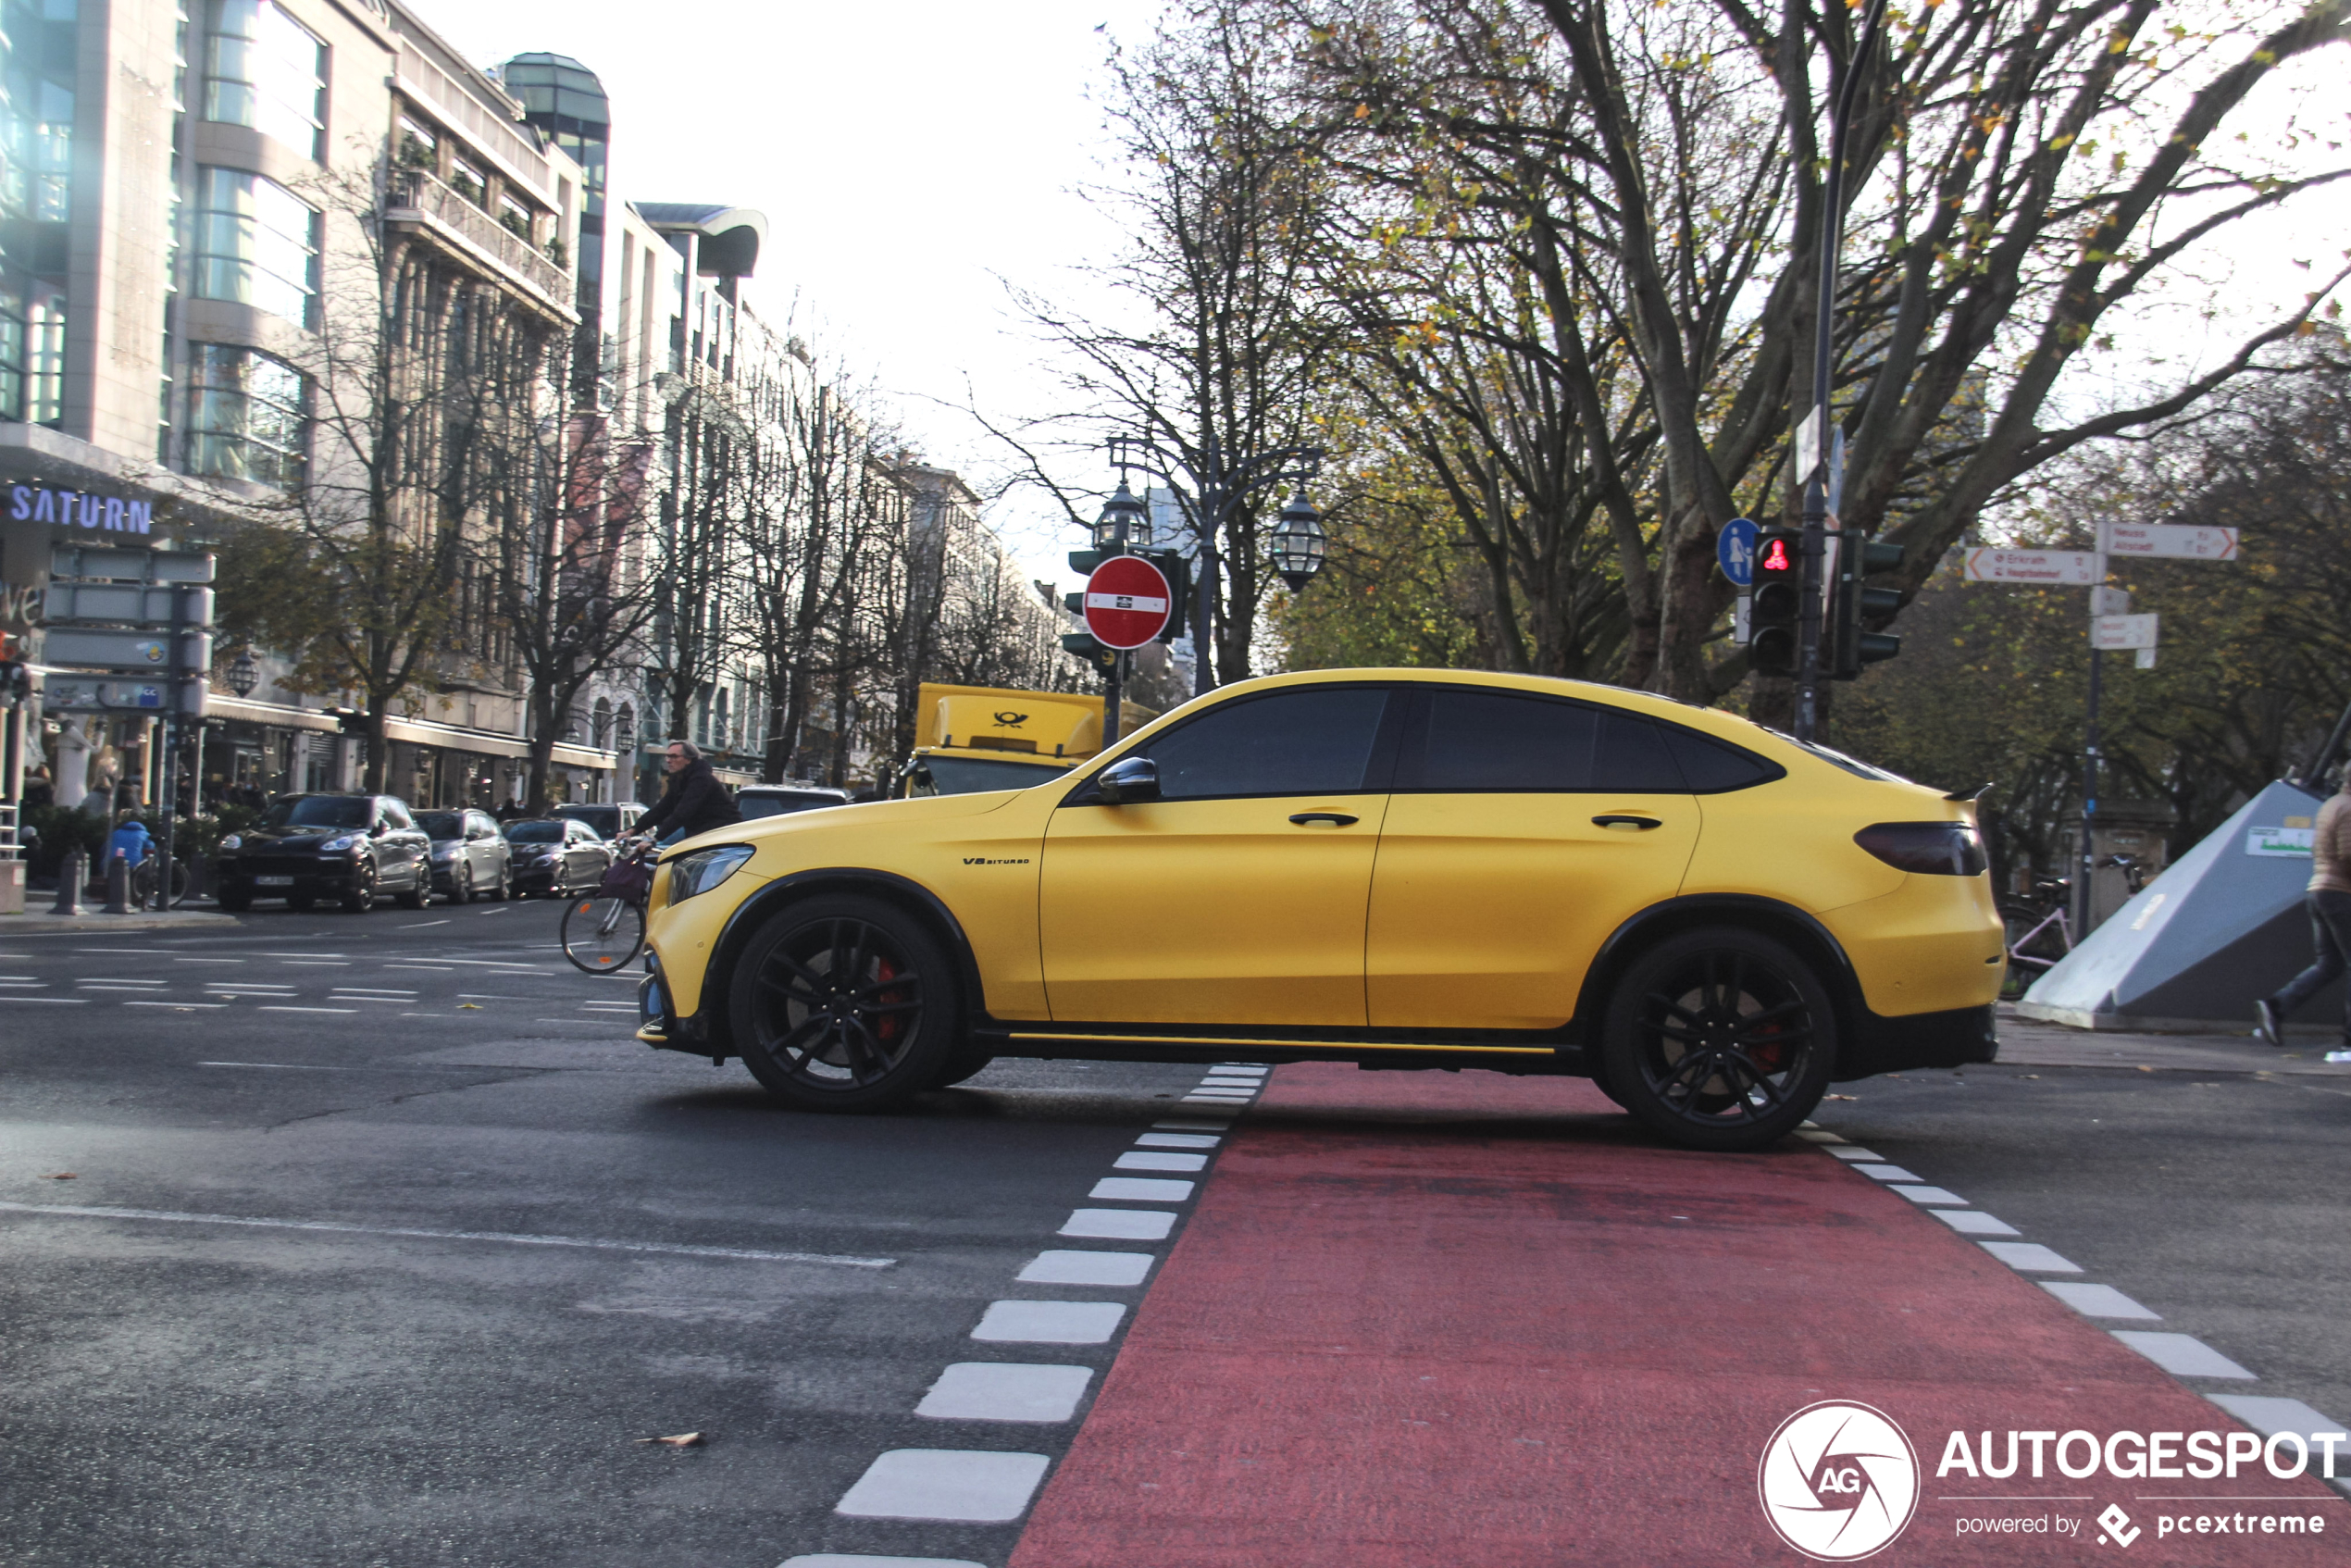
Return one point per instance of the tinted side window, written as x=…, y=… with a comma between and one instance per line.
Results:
x=1477, y=740
x=397, y=814
x=1711, y=767
x=1317, y=740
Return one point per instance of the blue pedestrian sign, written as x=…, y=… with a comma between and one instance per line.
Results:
x=1735, y=548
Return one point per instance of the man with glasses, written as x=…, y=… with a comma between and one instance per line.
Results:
x=694, y=801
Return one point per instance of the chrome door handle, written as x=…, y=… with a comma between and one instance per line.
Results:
x=1336, y=818
x=1618, y=819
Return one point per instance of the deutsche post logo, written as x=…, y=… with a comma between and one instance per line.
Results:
x=1840, y=1481
x=1012, y=720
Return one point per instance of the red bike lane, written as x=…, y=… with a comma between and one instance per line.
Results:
x=1421, y=1320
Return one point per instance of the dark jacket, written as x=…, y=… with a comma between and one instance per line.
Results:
x=695, y=802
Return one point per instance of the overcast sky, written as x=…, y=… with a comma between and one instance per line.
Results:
x=909, y=156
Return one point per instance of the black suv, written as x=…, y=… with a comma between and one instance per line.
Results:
x=346, y=848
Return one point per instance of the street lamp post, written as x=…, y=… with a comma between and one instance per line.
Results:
x=1216, y=487
x=1810, y=628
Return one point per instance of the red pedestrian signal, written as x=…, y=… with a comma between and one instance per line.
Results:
x=1775, y=612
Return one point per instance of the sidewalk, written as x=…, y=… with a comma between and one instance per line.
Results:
x=2027, y=1043
x=40, y=921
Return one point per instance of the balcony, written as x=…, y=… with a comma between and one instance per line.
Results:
x=412, y=196
x=507, y=145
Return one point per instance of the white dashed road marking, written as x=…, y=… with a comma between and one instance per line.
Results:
x=2029, y=1257
x=1142, y=1189
x=1050, y=1323
x=1069, y=1267
x=1886, y=1173
x=955, y=1485
x=2181, y=1355
x=1930, y=1195
x=1154, y=1160
x=1175, y=1140
x=1969, y=1222
x=1120, y=1225
x=2098, y=1301
x=976, y=1390
x=857, y=1559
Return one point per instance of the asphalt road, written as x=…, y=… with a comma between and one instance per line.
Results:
x=179, y=1391
x=506, y=1242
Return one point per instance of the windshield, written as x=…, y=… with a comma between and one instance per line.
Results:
x=754, y=805
x=604, y=819
x=441, y=824
x=969, y=775
x=534, y=832
x=319, y=811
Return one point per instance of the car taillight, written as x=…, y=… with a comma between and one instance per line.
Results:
x=1932, y=849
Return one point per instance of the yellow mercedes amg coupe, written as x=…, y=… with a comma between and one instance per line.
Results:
x=1398, y=869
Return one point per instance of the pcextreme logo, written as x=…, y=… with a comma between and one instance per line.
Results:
x=1838, y=1481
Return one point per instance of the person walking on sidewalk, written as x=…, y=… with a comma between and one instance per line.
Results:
x=695, y=800
x=2328, y=900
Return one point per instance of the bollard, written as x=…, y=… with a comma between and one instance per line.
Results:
x=71, y=871
x=118, y=884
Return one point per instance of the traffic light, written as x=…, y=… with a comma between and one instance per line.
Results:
x=1851, y=646
x=1084, y=645
x=1775, y=612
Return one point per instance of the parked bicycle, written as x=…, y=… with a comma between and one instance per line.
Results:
x=604, y=929
x=2038, y=930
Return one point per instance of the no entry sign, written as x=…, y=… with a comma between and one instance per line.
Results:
x=1126, y=601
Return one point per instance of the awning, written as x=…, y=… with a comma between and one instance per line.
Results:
x=219, y=704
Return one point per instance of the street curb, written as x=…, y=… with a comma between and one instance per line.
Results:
x=43, y=924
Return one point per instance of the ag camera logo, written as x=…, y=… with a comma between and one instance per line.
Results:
x=1840, y=1481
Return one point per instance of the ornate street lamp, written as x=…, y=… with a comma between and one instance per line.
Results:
x=244, y=674
x=1124, y=524
x=1297, y=543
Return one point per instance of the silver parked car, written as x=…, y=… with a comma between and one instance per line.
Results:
x=469, y=855
x=755, y=801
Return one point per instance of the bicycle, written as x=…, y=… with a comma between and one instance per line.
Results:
x=606, y=929
x=2039, y=933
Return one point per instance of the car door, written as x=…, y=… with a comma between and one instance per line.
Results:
x=1523, y=829
x=488, y=847
x=404, y=851
x=1239, y=896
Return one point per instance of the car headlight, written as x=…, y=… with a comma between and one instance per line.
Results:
x=705, y=869
x=339, y=842
x=233, y=842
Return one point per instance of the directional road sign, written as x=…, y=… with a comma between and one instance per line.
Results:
x=2122, y=631
x=71, y=648
x=2077, y=568
x=1735, y=548
x=1126, y=601
x=2175, y=540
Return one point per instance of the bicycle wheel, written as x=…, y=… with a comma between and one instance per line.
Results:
x=602, y=934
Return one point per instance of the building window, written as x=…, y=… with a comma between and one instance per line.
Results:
x=417, y=147
x=32, y=352
x=256, y=244
x=471, y=183
x=514, y=219
x=265, y=70
x=247, y=416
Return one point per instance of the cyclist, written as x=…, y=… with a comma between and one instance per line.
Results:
x=694, y=801
x=2328, y=898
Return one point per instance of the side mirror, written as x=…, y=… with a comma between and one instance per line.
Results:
x=1128, y=781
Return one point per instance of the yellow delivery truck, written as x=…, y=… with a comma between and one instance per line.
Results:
x=973, y=738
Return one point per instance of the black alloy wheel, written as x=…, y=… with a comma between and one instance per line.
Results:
x=844, y=1003
x=504, y=888
x=359, y=896
x=419, y=893
x=1719, y=1038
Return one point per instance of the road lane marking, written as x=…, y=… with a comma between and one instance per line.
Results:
x=270, y=1009
x=2029, y=1257
x=305, y=955
x=673, y=1248
x=177, y=960
x=181, y=1005
x=1853, y=1153
x=52, y=1001
x=1142, y=1189
x=2181, y=1355
x=1930, y=1195
x=1176, y=1140
x=1119, y=1225
x=860, y=1560
x=141, y=951
x=1152, y=1160
x=979, y=1390
x=1050, y=1323
x=1198, y=1124
x=315, y=963
x=1972, y=1222
x=957, y=1486
x=2099, y=1301
x=1886, y=1173
x=1074, y=1267
x=420, y=924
